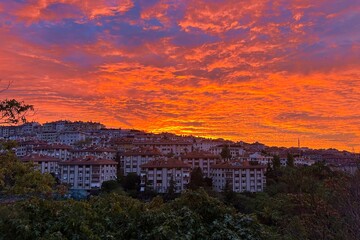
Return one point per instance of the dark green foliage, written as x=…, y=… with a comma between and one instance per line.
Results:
x=171, y=191
x=228, y=193
x=290, y=160
x=131, y=182
x=276, y=162
x=109, y=186
x=21, y=178
x=197, y=179
x=194, y=215
x=225, y=152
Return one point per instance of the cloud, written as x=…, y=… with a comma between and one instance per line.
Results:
x=268, y=71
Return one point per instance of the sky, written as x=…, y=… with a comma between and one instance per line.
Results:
x=270, y=71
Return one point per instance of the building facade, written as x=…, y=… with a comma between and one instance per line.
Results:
x=238, y=176
x=160, y=174
x=131, y=161
x=45, y=164
x=202, y=160
x=87, y=173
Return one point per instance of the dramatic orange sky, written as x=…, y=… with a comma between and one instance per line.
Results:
x=269, y=71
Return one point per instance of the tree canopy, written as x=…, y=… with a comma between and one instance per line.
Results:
x=13, y=111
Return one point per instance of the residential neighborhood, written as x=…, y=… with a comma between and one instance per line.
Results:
x=83, y=155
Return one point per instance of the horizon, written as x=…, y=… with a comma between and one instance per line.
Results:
x=269, y=72
x=353, y=150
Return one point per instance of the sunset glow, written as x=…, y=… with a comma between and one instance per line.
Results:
x=267, y=71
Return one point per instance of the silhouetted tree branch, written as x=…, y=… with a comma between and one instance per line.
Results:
x=13, y=111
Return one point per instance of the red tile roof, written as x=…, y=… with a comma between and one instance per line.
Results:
x=142, y=151
x=237, y=165
x=88, y=161
x=162, y=142
x=200, y=154
x=53, y=147
x=95, y=150
x=166, y=163
x=39, y=158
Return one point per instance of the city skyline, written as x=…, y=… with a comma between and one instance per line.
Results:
x=270, y=71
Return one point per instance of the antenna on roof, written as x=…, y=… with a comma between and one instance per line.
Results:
x=299, y=143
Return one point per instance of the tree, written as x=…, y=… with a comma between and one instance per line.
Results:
x=225, y=152
x=276, y=162
x=171, y=191
x=228, y=193
x=109, y=186
x=290, y=160
x=196, y=179
x=21, y=178
x=131, y=182
x=13, y=111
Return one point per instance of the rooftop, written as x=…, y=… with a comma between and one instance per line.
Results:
x=38, y=158
x=166, y=163
x=237, y=165
x=88, y=161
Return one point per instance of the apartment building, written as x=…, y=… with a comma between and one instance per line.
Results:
x=100, y=152
x=203, y=160
x=260, y=158
x=298, y=161
x=235, y=150
x=45, y=164
x=131, y=161
x=174, y=147
x=240, y=176
x=88, y=172
x=62, y=152
x=71, y=137
x=159, y=173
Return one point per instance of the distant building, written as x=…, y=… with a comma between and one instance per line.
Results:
x=347, y=167
x=235, y=150
x=203, y=160
x=48, y=136
x=87, y=173
x=260, y=159
x=100, y=152
x=56, y=150
x=174, y=147
x=157, y=175
x=298, y=161
x=71, y=137
x=240, y=176
x=45, y=164
x=131, y=161
x=205, y=144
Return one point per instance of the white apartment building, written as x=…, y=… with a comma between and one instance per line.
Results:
x=240, y=176
x=157, y=175
x=167, y=146
x=71, y=137
x=45, y=164
x=131, y=161
x=62, y=152
x=204, y=144
x=203, y=160
x=298, y=161
x=8, y=131
x=102, y=152
x=260, y=159
x=235, y=150
x=30, y=128
x=48, y=136
x=87, y=173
